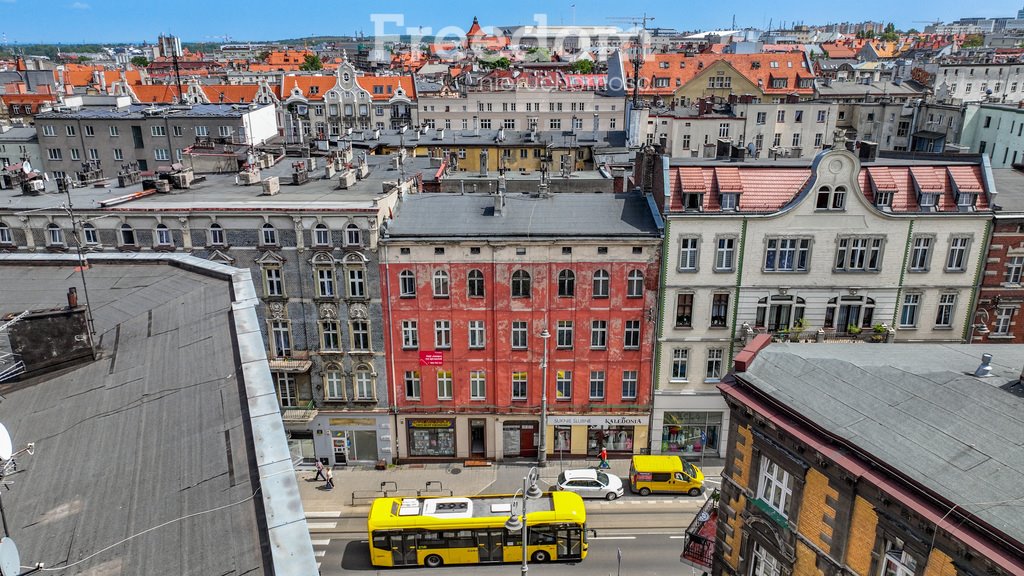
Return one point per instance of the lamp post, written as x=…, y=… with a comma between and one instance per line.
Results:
x=542, y=456
x=518, y=523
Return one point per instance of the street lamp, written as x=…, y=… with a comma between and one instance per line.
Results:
x=515, y=523
x=542, y=457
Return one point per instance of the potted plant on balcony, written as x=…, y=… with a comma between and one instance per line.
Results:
x=878, y=333
x=797, y=329
x=853, y=330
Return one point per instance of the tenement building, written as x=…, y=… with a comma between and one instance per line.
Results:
x=856, y=459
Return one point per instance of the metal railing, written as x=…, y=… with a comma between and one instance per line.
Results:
x=389, y=488
x=699, y=543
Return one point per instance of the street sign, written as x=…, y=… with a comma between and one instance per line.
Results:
x=431, y=358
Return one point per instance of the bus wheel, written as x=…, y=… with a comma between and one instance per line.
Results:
x=645, y=491
x=433, y=561
x=694, y=491
x=540, y=556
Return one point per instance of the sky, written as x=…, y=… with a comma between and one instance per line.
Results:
x=99, y=21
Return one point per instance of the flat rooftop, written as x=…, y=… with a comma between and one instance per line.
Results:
x=919, y=409
x=139, y=111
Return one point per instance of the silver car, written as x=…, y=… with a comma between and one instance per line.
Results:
x=590, y=483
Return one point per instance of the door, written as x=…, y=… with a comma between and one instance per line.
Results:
x=403, y=549
x=137, y=136
x=477, y=444
x=489, y=543
x=527, y=443
x=570, y=543
x=340, y=448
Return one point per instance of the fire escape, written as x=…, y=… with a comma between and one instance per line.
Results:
x=11, y=364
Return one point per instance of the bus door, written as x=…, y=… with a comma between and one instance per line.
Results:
x=489, y=543
x=570, y=543
x=403, y=549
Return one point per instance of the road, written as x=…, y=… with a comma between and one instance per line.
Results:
x=643, y=552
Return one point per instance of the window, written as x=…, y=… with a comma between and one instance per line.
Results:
x=635, y=284
x=410, y=335
x=818, y=140
x=520, y=284
x=944, y=316
x=762, y=117
x=118, y=154
x=597, y=384
x=780, y=312
x=475, y=284
x=601, y=281
x=631, y=336
x=1014, y=267
x=519, y=335
x=49, y=131
x=353, y=235
x=519, y=385
x=566, y=283
x=563, y=385
x=775, y=486
x=714, y=366
x=1003, y=317
x=858, y=254
x=202, y=131
x=407, y=284
x=684, y=310
x=476, y=334
x=92, y=236
x=114, y=131
x=920, y=254
x=154, y=130
x=598, y=334
x=162, y=154
x=796, y=139
x=897, y=562
x=268, y=235
x=688, y=254
x=444, y=385
x=224, y=131
x=564, y=334
x=75, y=154
x=821, y=116
x=287, y=393
x=321, y=235
x=787, y=255
x=956, y=261
x=356, y=282
x=442, y=334
x=829, y=199
x=127, y=235
x=846, y=312
x=334, y=385
x=724, y=254
x=908, y=312
x=719, y=310
x=555, y=124
x=477, y=385
x=54, y=235
x=485, y=123
x=176, y=130
x=412, y=384
x=629, y=384
x=325, y=282
x=94, y=154
x=764, y=564
x=163, y=236
x=364, y=384
x=282, y=339
x=679, y=358
x=440, y=284
x=360, y=333
x=723, y=130
x=273, y=281
x=330, y=333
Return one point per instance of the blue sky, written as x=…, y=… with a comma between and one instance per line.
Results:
x=135, y=20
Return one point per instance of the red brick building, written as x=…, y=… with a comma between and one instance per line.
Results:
x=1001, y=293
x=471, y=282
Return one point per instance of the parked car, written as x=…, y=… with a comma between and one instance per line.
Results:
x=590, y=483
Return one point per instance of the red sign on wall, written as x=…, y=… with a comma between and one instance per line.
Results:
x=432, y=358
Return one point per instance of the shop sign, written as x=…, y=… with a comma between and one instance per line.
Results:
x=431, y=358
x=352, y=422
x=430, y=423
x=597, y=420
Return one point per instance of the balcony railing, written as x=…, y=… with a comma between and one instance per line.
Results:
x=880, y=334
x=699, y=543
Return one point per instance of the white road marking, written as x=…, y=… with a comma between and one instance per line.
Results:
x=321, y=525
x=676, y=537
x=328, y=514
x=319, y=553
x=611, y=538
x=322, y=542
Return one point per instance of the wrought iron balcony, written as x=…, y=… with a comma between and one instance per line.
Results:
x=699, y=543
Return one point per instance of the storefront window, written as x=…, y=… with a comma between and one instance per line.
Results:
x=563, y=437
x=433, y=437
x=613, y=438
x=691, y=433
x=300, y=445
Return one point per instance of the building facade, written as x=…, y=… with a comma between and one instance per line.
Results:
x=995, y=130
x=471, y=284
x=963, y=82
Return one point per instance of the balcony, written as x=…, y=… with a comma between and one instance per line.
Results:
x=699, y=543
x=879, y=334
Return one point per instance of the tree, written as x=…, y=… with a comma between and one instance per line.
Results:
x=262, y=56
x=139, y=61
x=312, y=63
x=913, y=31
x=499, y=64
x=582, y=66
x=974, y=41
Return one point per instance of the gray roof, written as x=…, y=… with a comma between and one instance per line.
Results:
x=19, y=134
x=152, y=432
x=135, y=111
x=885, y=88
x=917, y=408
x=1010, y=185
x=558, y=215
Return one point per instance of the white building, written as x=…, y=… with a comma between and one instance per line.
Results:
x=995, y=130
x=979, y=82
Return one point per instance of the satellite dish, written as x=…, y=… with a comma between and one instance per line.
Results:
x=6, y=446
x=10, y=559
x=26, y=167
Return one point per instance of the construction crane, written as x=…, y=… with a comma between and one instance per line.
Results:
x=639, y=23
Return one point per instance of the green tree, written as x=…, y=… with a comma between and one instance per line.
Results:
x=262, y=56
x=582, y=66
x=499, y=64
x=913, y=31
x=139, y=61
x=974, y=41
x=312, y=63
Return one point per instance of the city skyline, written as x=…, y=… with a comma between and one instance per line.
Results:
x=90, y=21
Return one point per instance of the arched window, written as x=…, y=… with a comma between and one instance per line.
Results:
x=5, y=234
x=268, y=235
x=353, y=235
x=635, y=284
x=601, y=281
x=849, y=314
x=829, y=199
x=520, y=284
x=407, y=284
x=364, y=384
x=54, y=235
x=321, y=235
x=334, y=383
x=90, y=236
x=475, y=284
x=566, y=283
x=127, y=235
x=163, y=236
x=440, y=284
x=216, y=235
x=780, y=312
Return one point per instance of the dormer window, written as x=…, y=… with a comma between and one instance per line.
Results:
x=883, y=200
x=966, y=200
x=693, y=201
x=928, y=199
x=729, y=201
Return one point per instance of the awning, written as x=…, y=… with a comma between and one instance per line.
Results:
x=290, y=366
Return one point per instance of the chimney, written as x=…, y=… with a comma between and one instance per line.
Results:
x=499, y=198
x=72, y=298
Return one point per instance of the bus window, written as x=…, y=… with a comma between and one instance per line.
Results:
x=380, y=540
x=541, y=535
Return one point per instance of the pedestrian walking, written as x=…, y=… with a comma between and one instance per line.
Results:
x=330, y=479
x=320, y=471
x=604, y=457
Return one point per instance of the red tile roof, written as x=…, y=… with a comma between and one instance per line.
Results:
x=388, y=85
x=679, y=69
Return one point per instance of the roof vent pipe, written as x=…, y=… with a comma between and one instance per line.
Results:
x=985, y=370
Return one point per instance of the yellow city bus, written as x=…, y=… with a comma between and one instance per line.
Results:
x=437, y=531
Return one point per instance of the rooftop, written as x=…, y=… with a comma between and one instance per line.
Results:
x=918, y=409
x=137, y=111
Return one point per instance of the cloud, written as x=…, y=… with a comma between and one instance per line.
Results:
x=79, y=6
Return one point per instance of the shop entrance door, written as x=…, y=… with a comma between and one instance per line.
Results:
x=477, y=442
x=527, y=444
x=340, y=448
